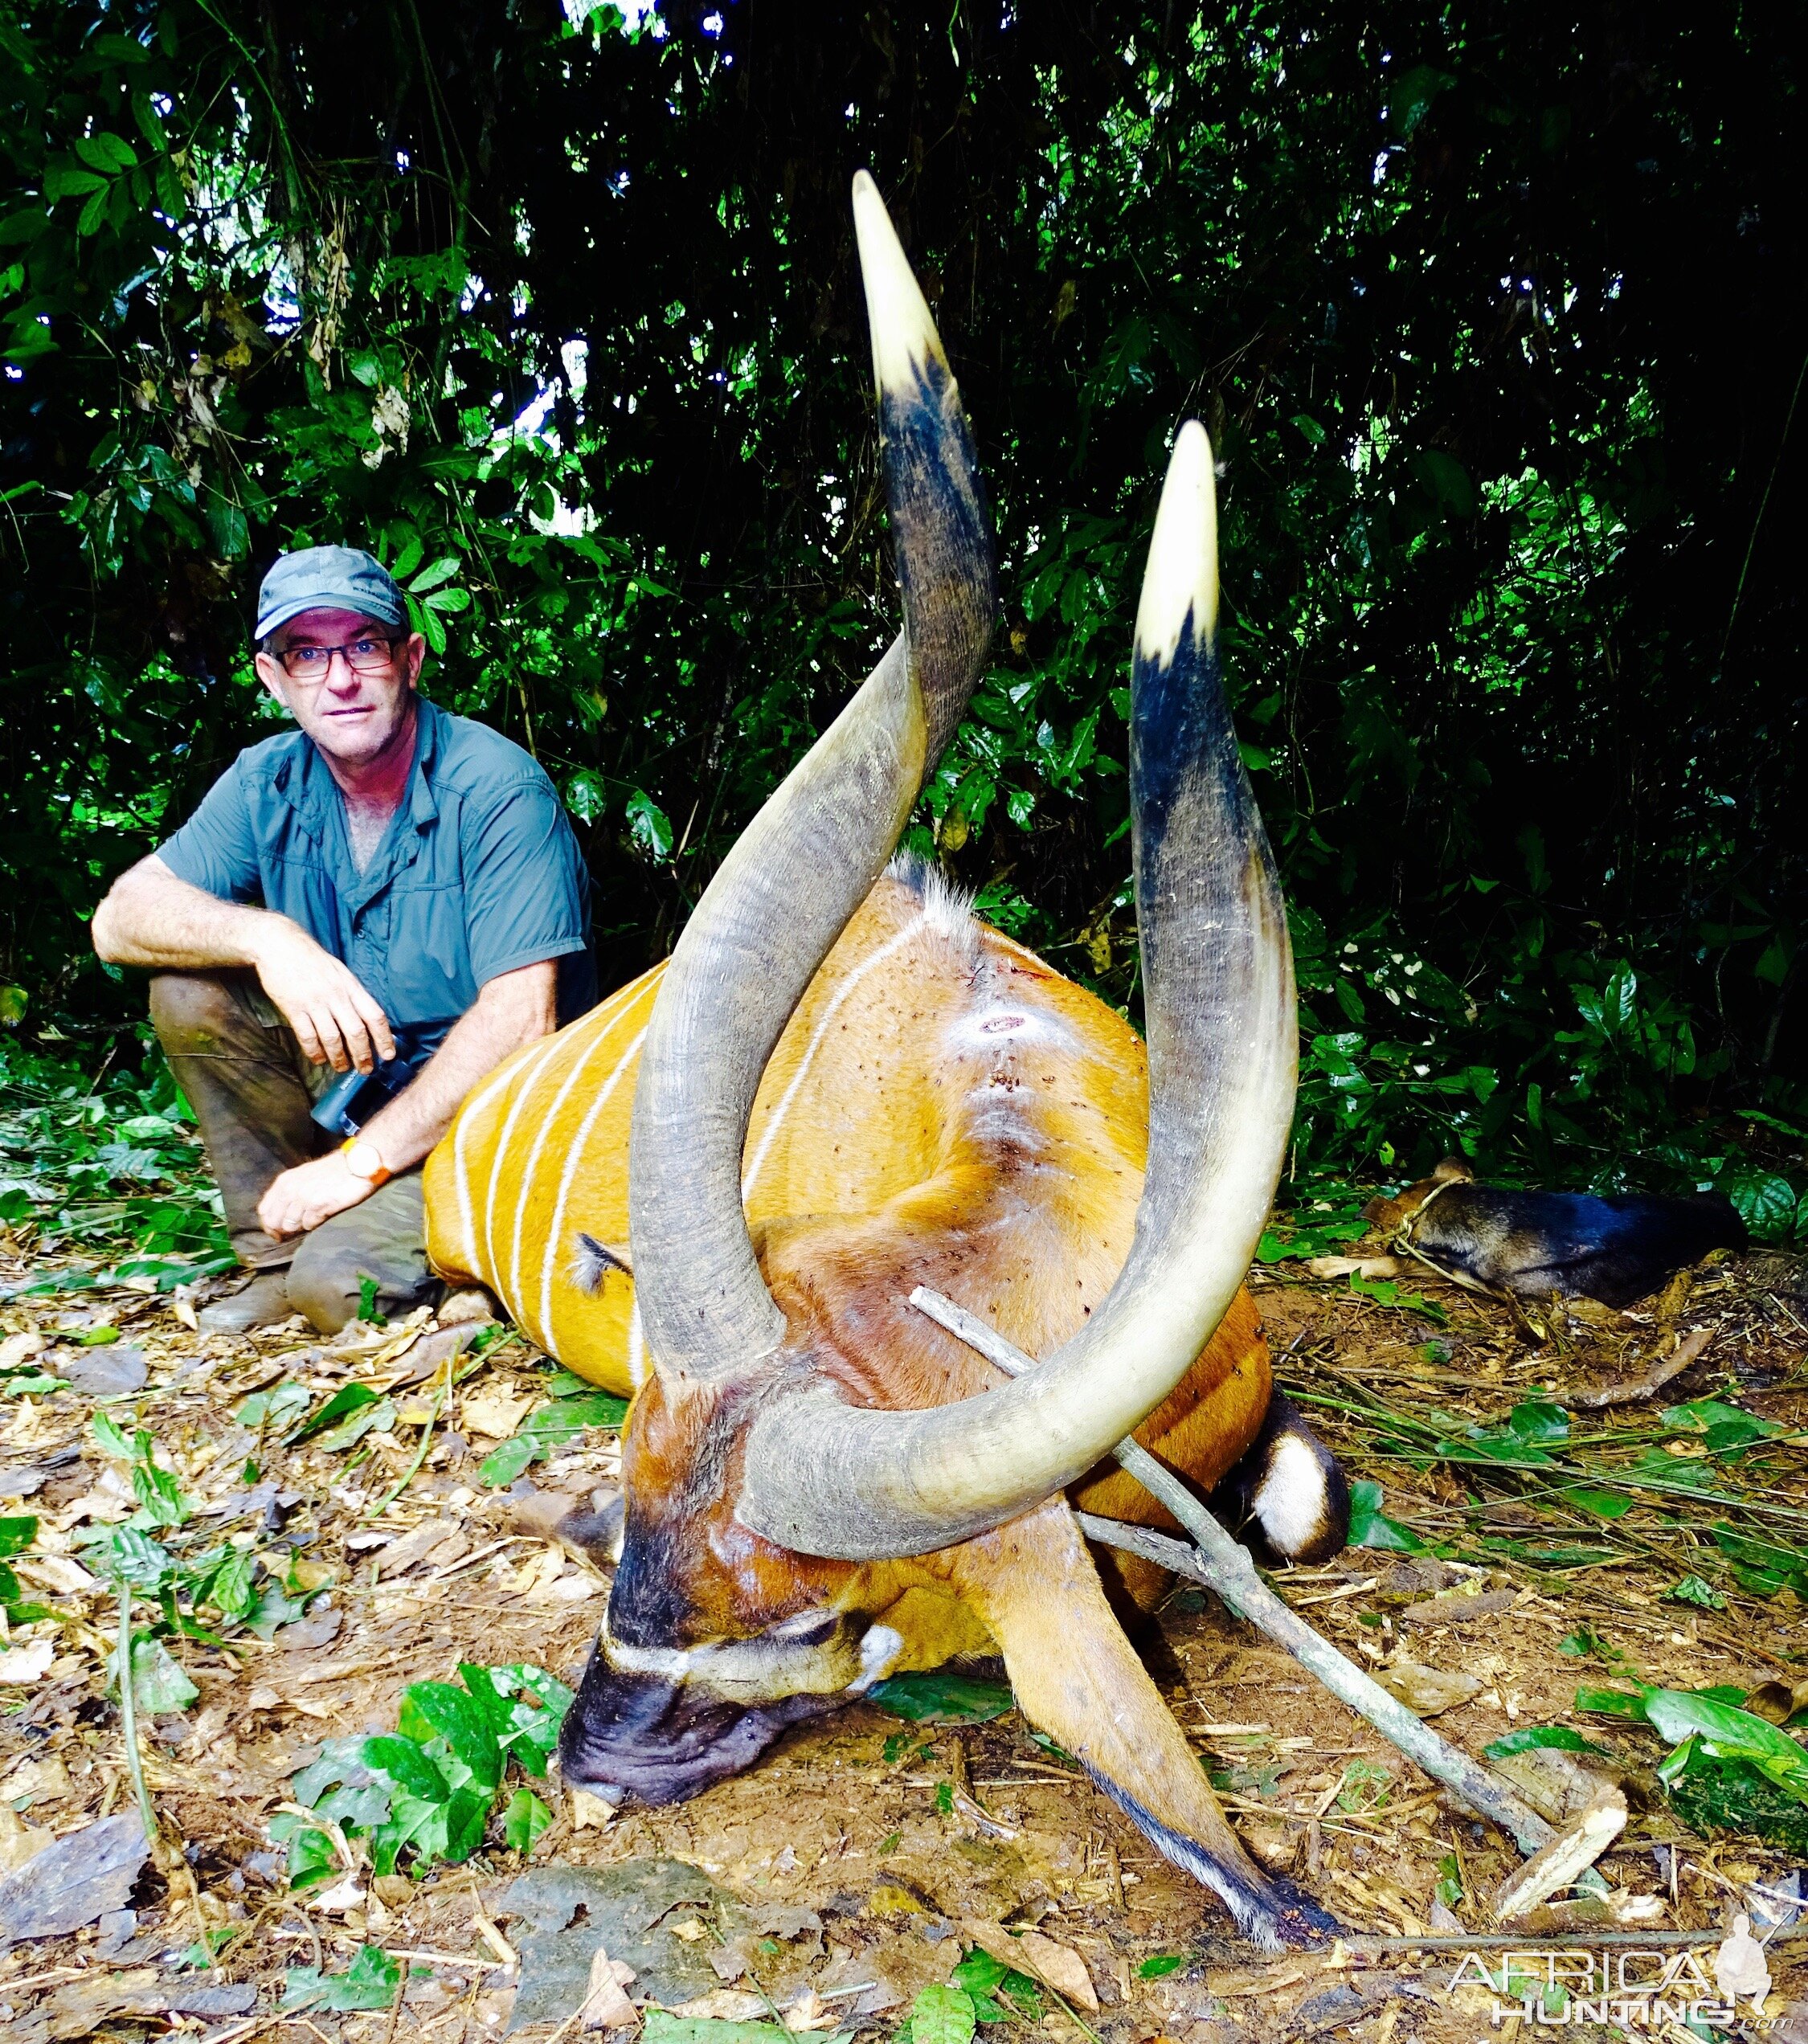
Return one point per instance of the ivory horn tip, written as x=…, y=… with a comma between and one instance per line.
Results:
x=1181, y=580
x=904, y=336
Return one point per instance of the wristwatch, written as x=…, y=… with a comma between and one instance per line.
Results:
x=364, y=1160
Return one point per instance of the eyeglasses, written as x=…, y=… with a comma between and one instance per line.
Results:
x=314, y=663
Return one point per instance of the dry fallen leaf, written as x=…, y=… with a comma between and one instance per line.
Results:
x=24, y=1666
x=606, y=2006
x=20, y=1348
x=590, y=1813
x=492, y=1414
x=19, y=1842
x=40, y=1781
x=723, y=2004
x=1426, y=1691
x=1059, y=1967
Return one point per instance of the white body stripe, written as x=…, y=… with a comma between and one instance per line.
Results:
x=546, y=1121
x=573, y=1160
x=531, y=1071
x=913, y=928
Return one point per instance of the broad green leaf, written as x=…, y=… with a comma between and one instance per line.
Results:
x=1529, y=1738
x=523, y=1819
x=436, y=572
x=349, y=1399
x=17, y=1534
x=404, y=1762
x=942, y=2015
x=1766, y=1203
x=1693, y=1589
x=372, y=1981
x=276, y=1409
x=1596, y=1502
x=312, y=1858
x=649, y=825
x=272, y=1606
x=942, y=1696
x=1370, y=1527
x=68, y=181
x=158, y=1683
x=1729, y=1734
x=1159, y=1965
x=1611, y=1702
x=435, y=1710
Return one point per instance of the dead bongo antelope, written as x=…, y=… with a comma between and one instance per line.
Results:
x=844, y=1087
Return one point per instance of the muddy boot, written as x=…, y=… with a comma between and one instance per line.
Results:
x=262, y=1303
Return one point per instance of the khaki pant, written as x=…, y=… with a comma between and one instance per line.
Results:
x=243, y=1071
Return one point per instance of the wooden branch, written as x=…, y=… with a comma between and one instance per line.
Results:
x=1224, y=1566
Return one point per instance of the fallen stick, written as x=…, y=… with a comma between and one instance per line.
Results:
x=1222, y=1565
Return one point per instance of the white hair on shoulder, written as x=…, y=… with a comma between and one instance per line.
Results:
x=947, y=909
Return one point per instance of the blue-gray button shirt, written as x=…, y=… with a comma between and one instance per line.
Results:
x=477, y=873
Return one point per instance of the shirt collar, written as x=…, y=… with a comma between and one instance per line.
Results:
x=306, y=782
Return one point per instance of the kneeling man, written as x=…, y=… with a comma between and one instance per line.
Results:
x=387, y=879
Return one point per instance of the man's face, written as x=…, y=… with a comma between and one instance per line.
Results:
x=348, y=679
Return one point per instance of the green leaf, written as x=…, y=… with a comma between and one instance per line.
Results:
x=111, y=1439
x=17, y=1534
x=1159, y=1965
x=106, y=152
x=942, y=1696
x=1728, y=1734
x=448, y=602
x=349, y=1399
x=158, y=1683
x=1766, y=1203
x=1529, y=1738
x=1597, y=1503
x=433, y=1709
x=313, y=1858
x=649, y=825
x=129, y=1555
x=943, y=2015
x=372, y=1981
x=436, y=572
x=274, y=1409
x=272, y=1606
x=1369, y=1528
x=406, y=1763
x=526, y=1818
x=1611, y=1702
x=369, y=1419
x=230, y=1589
x=1692, y=1589
x=65, y=181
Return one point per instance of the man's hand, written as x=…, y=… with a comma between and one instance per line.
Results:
x=307, y=1194
x=335, y=1020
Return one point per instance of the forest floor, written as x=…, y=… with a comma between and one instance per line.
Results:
x=1522, y=1540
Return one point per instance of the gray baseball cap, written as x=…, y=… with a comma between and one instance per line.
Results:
x=327, y=578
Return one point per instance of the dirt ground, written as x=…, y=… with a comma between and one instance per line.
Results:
x=866, y=1853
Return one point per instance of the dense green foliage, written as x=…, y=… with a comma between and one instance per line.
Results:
x=1495, y=318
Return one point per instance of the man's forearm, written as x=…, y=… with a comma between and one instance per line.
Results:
x=150, y=917
x=513, y=1011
